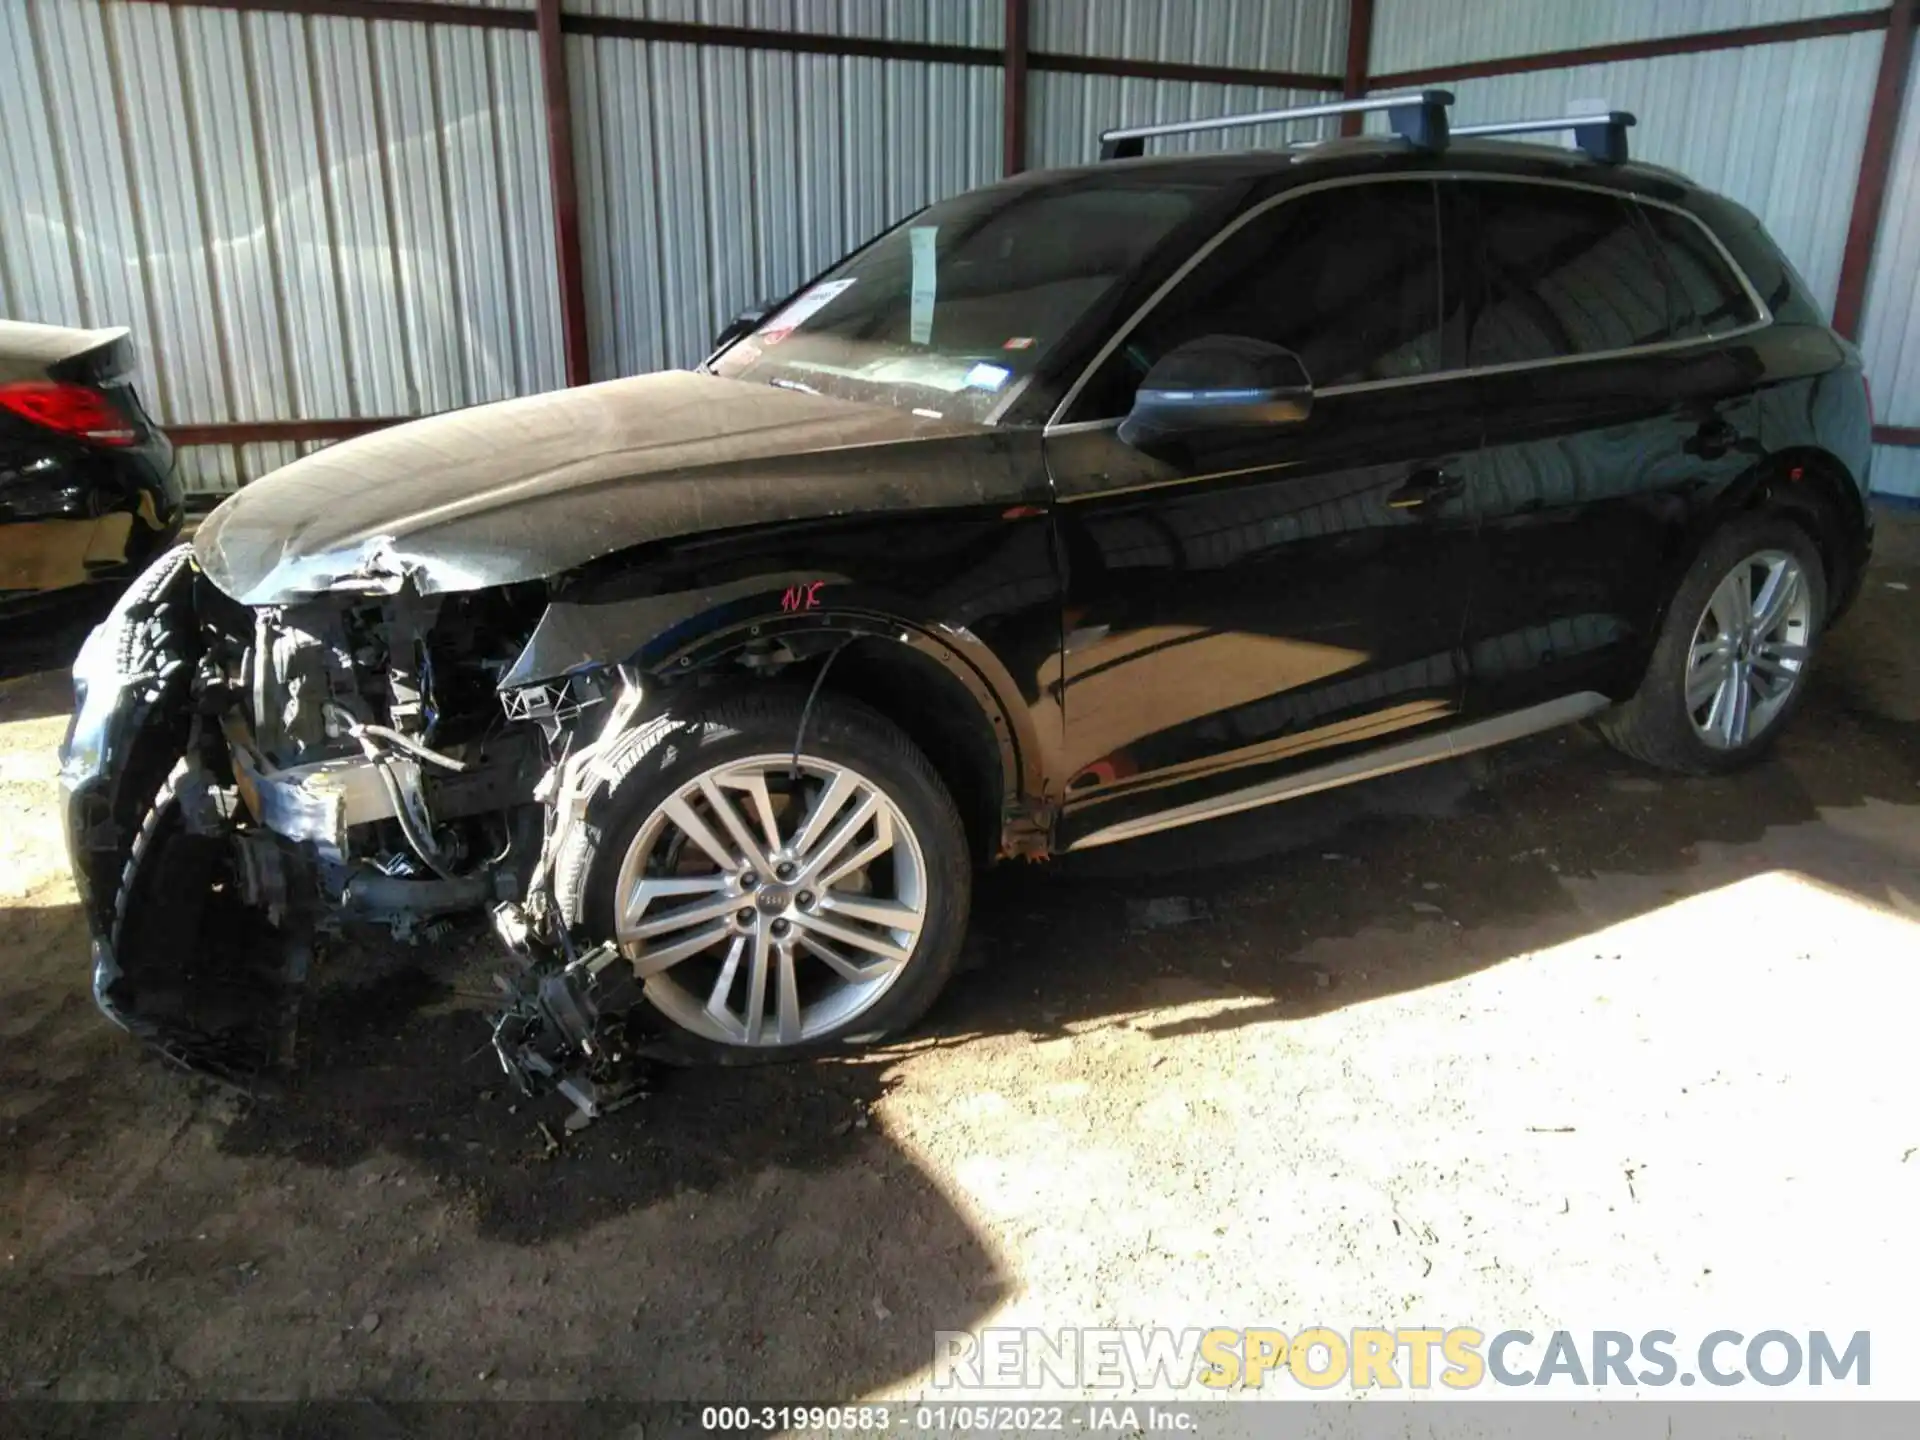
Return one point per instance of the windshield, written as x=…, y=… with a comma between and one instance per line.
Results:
x=948, y=314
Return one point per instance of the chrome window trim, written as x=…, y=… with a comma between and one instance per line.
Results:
x=1057, y=426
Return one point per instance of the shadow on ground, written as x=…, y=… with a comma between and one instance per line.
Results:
x=747, y=1231
x=1484, y=844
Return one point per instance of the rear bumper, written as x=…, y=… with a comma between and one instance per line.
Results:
x=101, y=517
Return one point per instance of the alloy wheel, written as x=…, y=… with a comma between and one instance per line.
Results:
x=769, y=901
x=1750, y=649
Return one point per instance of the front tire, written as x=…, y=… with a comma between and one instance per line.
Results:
x=1733, y=656
x=769, y=908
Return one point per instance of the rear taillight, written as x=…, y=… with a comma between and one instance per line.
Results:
x=73, y=410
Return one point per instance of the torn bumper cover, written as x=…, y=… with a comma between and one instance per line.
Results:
x=570, y=1027
x=128, y=678
x=176, y=961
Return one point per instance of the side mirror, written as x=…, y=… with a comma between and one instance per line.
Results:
x=1219, y=382
x=745, y=323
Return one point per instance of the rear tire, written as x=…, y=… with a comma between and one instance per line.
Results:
x=800, y=953
x=1733, y=657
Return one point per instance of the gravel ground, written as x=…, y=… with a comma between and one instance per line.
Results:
x=1535, y=1039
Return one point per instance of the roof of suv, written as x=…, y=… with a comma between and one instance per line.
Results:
x=1385, y=154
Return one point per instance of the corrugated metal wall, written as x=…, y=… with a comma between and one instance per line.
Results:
x=774, y=165
x=1777, y=127
x=711, y=179
x=1303, y=36
x=1890, y=337
x=1068, y=111
x=297, y=217
x=1416, y=34
x=327, y=218
x=951, y=22
x=323, y=218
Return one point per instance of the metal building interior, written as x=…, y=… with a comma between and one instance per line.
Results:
x=320, y=216
x=1525, y=1041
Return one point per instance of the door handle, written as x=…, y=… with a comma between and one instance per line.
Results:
x=1423, y=487
x=1713, y=439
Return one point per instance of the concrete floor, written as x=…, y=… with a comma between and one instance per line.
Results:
x=1535, y=1040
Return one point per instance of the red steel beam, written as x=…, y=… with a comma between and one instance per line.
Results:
x=800, y=42
x=1876, y=160
x=744, y=37
x=1013, y=112
x=1705, y=40
x=416, y=10
x=566, y=194
x=1359, y=54
x=1179, y=70
x=266, y=432
x=1908, y=435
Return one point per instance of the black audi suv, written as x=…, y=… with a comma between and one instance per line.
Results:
x=1084, y=505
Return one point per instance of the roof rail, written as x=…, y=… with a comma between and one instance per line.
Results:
x=1418, y=116
x=1602, y=135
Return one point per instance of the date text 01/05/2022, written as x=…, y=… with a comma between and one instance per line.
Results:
x=1097, y=1418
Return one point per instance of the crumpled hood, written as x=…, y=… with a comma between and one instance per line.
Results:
x=528, y=488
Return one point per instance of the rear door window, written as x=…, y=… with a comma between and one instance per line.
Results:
x=1708, y=298
x=1562, y=273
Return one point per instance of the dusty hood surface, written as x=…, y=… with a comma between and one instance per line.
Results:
x=528, y=488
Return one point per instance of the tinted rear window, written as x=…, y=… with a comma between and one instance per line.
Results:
x=1755, y=253
x=1707, y=297
x=1563, y=273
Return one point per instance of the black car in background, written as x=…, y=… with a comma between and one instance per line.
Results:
x=87, y=490
x=1085, y=505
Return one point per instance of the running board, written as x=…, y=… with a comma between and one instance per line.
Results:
x=1514, y=725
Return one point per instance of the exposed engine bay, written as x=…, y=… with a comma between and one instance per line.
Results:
x=246, y=784
x=365, y=739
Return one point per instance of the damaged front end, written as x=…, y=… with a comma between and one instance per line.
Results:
x=570, y=1019
x=243, y=783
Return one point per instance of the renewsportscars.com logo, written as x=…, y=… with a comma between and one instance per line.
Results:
x=1318, y=1358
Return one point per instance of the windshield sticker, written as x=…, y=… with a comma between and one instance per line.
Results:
x=802, y=310
x=925, y=284
x=985, y=376
x=1019, y=342
x=930, y=372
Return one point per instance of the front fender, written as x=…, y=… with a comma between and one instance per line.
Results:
x=667, y=636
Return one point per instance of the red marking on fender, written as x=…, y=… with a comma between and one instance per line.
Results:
x=802, y=597
x=1021, y=512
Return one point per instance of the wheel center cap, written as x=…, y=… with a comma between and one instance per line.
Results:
x=772, y=899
